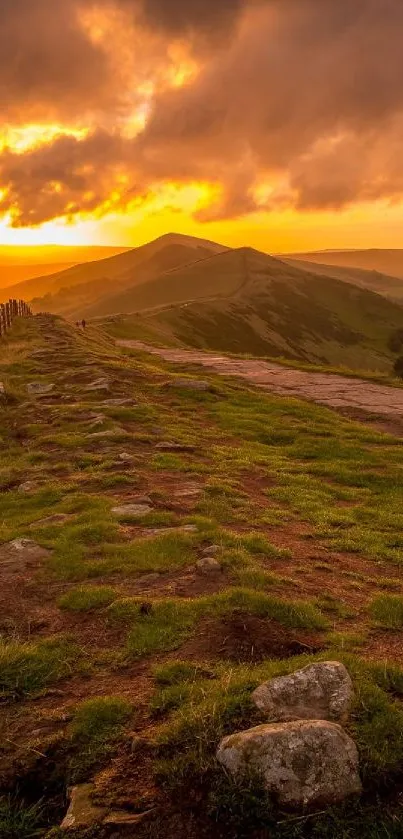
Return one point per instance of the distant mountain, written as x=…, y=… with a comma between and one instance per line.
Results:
x=122, y=270
x=391, y=287
x=389, y=262
x=249, y=302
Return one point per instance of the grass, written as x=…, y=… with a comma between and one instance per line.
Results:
x=96, y=727
x=87, y=598
x=387, y=611
x=272, y=472
x=20, y=821
x=27, y=668
x=170, y=622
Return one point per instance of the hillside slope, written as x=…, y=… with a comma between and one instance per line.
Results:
x=390, y=287
x=124, y=267
x=263, y=306
x=389, y=262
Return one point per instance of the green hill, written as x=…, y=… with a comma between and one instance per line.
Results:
x=390, y=287
x=259, y=305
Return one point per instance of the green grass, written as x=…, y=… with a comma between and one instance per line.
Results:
x=20, y=821
x=387, y=611
x=27, y=668
x=87, y=598
x=97, y=726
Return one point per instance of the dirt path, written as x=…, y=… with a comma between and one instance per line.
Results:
x=353, y=396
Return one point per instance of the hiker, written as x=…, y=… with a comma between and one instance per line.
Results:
x=83, y=324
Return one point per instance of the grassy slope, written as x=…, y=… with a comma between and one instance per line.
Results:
x=388, y=262
x=266, y=307
x=391, y=287
x=306, y=508
x=125, y=267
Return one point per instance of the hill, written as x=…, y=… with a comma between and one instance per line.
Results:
x=388, y=262
x=168, y=545
x=127, y=268
x=11, y=275
x=390, y=287
x=252, y=303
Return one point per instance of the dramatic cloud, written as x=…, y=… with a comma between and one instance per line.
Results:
x=286, y=103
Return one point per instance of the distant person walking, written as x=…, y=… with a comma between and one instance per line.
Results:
x=83, y=323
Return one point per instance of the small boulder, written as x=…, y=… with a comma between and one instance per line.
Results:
x=125, y=457
x=28, y=486
x=98, y=385
x=39, y=388
x=132, y=510
x=20, y=554
x=301, y=763
x=212, y=550
x=320, y=691
x=208, y=565
x=82, y=812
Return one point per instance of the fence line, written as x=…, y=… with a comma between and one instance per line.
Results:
x=10, y=310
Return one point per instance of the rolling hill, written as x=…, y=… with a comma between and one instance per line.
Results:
x=252, y=303
x=126, y=269
x=388, y=262
x=390, y=287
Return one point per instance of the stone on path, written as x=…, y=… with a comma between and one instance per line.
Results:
x=82, y=812
x=301, y=763
x=320, y=691
x=132, y=510
x=208, y=565
x=118, y=403
x=162, y=531
x=20, y=554
x=187, y=491
x=39, y=388
x=190, y=384
x=108, y=434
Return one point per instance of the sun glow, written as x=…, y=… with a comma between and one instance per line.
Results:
x=33, y=135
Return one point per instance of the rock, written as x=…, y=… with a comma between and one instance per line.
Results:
x=147, y=579
x=187, y=491
x=320, y=691
x=208, y=565
x=28, y=486
x=125, y=457
x=190, y=384
x=20, y=554
x=212, y=550
x=174, y=447
x=82, y=812
x=98, y=384
x=301, y=763
x=57, y=518
x=2, y=389
x=132, y=510
x=38, y=388
x=162, y=531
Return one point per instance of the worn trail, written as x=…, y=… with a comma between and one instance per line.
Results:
x=329, y=389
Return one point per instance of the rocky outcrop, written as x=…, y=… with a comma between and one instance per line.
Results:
x=300, y=763
x=321, y=691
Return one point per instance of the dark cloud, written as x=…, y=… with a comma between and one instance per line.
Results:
x=304, y=94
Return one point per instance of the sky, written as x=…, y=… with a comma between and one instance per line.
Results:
x=273, y=123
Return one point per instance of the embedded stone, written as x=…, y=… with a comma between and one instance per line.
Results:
x=208, y=565
x=320, y=691
x=132, y=510
x=82, y=812
x=304, y=763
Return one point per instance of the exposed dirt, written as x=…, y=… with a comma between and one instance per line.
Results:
x=385, y=404
x=244, y=638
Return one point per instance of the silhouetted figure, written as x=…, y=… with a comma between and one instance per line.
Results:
x=78, y=324
x=83, y=324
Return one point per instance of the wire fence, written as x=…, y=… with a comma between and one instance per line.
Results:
x=10, y=310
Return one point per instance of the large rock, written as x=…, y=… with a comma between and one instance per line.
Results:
x=20, y=554
x=208, y=565
x=321, y=691
x=300, y=763
x=82, y=813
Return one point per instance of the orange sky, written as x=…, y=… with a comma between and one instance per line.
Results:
x=247, y=122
